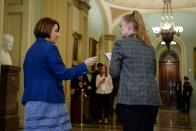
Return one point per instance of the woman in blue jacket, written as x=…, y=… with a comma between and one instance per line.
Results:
x=44, y=71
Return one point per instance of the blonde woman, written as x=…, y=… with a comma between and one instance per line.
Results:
x=134, y=61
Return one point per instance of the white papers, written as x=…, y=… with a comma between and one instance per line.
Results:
x=108, y=55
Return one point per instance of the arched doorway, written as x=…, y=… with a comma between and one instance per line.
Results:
x=168, y=74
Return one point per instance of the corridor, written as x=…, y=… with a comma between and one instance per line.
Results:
x=168, y=120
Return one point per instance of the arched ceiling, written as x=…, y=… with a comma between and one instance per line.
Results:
x=114, y=9
x=152, y=4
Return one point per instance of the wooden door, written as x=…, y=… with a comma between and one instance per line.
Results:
x=168, y=74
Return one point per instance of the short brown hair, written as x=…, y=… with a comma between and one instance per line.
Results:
x=44, y=27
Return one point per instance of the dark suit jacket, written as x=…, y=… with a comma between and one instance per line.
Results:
x=187, y=88
x=135, y=63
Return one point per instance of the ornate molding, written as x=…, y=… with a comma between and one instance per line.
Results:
x=82, y=5
x=152, y=4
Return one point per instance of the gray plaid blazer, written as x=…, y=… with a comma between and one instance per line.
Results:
x=135, y=63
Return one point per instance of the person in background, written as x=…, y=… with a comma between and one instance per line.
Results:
x=80, y=91
x=44, y=72
x=134, y=61
x=80, y=84
x=104, y=90
x=178, y=89
x=93, y=78
x=186, y=94
x=93, y=102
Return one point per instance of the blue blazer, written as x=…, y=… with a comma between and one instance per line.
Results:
x=44, y=71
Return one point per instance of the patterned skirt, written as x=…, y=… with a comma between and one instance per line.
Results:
x=42, y=116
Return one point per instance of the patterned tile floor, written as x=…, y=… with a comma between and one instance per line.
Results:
x=168, y=120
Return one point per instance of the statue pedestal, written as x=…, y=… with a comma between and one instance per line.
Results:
x=9, y=86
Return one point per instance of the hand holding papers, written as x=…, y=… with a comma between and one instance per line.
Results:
x=90, y=61
x=108, y=55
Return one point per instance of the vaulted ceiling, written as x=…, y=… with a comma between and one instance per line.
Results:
x=114, y=9
x=152, y=4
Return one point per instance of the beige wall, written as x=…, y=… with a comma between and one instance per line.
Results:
x=76, y=19
x=1, y=24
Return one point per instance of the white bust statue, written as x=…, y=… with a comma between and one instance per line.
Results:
x=7, y=45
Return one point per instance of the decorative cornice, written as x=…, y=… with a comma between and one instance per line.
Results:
x=82, y=5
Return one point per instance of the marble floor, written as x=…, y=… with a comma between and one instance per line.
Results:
x=168, y=120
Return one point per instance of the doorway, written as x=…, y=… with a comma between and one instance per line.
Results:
x=168, y=74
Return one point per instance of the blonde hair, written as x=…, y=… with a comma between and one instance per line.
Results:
x=138, y=24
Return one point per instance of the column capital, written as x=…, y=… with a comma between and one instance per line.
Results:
x=109, y=37
x=82, y=5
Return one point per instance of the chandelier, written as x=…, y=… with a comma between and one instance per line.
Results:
x=167, y=28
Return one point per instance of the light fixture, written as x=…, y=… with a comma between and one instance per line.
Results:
x=167, y=28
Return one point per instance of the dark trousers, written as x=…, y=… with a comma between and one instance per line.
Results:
x=179, y=101
x=93, y=107
x=186, y=103
x=103, y=102
x=138, y=117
